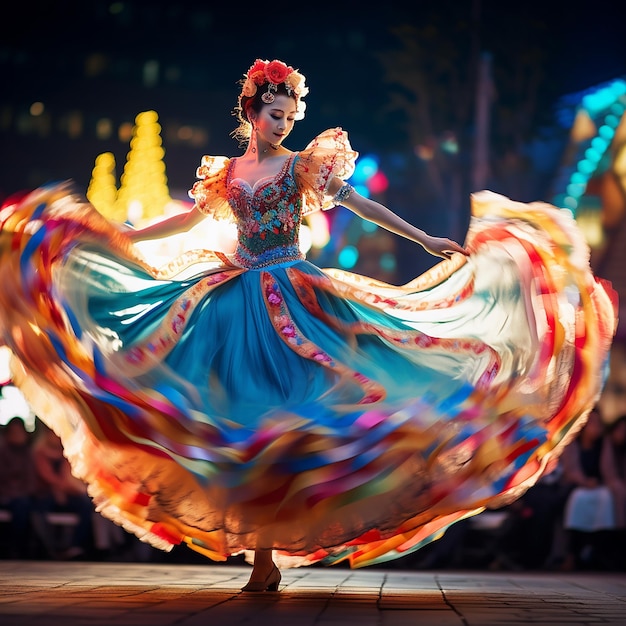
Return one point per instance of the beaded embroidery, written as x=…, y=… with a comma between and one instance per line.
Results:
x=269, y=213
x=328, y=155
x=268, y=217
x=269, y=257
x=344, y=192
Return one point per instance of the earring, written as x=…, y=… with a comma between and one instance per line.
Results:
x=253, y=139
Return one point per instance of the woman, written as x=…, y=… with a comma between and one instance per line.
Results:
x=255, y=402
x=589, y=509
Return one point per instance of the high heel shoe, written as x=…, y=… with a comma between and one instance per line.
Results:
x=269, y=584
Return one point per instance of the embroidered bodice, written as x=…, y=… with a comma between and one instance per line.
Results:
x=268, y=216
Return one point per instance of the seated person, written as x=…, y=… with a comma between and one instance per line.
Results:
x=17, y=485
x=59, y=491
x=589, y=509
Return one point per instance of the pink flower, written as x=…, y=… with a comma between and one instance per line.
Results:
x=249, y=88
x=135, y=355
x=275, y=72
x=424, y=341
x=373, y=397
x=295, y=82
x=288, y=331
x=274, y=299
x=178, y=322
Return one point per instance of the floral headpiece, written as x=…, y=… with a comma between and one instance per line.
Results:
x=272, y=74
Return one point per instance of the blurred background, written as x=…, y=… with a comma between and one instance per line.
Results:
x=443, y=98
x=440, y=98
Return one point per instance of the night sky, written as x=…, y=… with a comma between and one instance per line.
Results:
x=42, y=45
x=587, y=39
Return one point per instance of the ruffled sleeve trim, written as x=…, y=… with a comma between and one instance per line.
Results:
x=329, y=155
x=210, y=192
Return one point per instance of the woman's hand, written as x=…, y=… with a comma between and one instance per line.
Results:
x=133, y=234
x=442, y=246
x=377, y=213
x=128, y=230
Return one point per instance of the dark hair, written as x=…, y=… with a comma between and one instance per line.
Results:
x=254, y=103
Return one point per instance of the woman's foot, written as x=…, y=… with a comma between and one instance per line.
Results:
x=264, y=583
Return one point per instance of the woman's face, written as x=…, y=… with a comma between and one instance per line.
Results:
x=275, y=121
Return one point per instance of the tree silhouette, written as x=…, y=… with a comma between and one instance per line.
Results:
x=455, y=82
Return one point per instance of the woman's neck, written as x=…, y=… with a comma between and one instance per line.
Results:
x=265, y=148
x=258, y=146
x=262, y=151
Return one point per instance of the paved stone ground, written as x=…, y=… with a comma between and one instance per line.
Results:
x=120, y=594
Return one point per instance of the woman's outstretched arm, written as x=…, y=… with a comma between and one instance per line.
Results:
x=179, y=223
x=385, y=218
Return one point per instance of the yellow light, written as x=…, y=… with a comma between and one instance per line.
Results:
x=104, y=128
x=305, y=238
x=36, y=109
x=208, y=235
x=135, y=211
x=619, y=165
x=125, y=132
x=319, y=228
x=185, y=133
x=590, y=224
x=5, y=370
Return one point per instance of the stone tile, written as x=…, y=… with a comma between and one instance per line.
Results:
x=95, y=594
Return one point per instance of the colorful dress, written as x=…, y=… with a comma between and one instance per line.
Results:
x=256, y=400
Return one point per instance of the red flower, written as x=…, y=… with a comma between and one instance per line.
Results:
x=257, y=72
x=277, y=71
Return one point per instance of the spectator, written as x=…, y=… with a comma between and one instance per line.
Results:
x=613, y=467
x=530, y=531
x=589, y=509
x=17, y=485
x=545, y=535
x=59, y=491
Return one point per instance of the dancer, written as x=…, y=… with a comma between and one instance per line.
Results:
x=256, y=403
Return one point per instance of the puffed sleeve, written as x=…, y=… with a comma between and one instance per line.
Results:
x=209, y=193
x=329, y=155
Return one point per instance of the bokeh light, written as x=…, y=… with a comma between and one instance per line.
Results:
x=348, y=257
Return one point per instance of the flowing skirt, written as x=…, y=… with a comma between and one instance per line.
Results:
x=322, y=414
